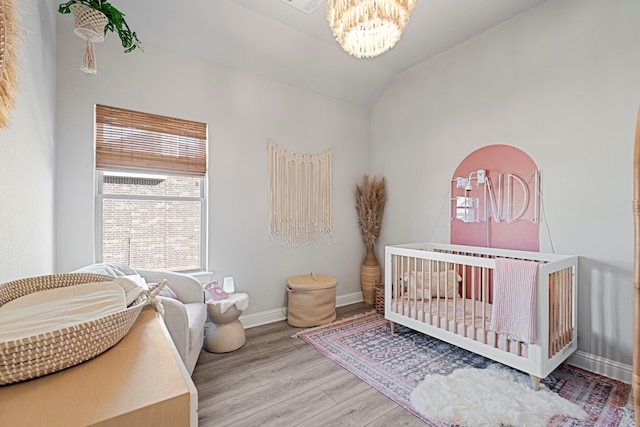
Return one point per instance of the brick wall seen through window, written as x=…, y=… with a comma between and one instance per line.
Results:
x=158, y=233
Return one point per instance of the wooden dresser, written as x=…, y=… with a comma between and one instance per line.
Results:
x=138, y=382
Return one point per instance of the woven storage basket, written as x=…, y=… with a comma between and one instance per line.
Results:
x=89, y=22
x=42, y=354
x=380, y=298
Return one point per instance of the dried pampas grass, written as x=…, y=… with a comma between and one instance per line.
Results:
x=9, y=38
x=371, y=197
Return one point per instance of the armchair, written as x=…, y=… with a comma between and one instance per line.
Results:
x=184, y=316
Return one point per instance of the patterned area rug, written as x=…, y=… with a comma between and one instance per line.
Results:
x=395, y=365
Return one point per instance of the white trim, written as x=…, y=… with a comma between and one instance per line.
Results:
x=100, y=197
x=353, y=298
x=588, y=362
x=263, y=317
x=270, y=316
x=134, y=175
x=600, y=365
x=148, y=197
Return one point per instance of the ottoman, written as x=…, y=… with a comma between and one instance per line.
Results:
x=312, y=300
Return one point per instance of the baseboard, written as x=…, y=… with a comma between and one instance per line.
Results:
x=588, y=362
x=353, y=298
x=278, y=314
x=600, y=365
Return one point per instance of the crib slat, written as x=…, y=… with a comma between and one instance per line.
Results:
x=551, y=315
x=562, y=311
x=554, y=320
x=455, y=267
x=397, y=278
x=403, y=290
x=437, y=274
x=394, y=283
x=557, y=295
x=473, y=303
x=484, y=288
x=413, y=300
x=464, y=300
x=567, y=305
x=423, y=292
x=561, y=319
x=430, y=269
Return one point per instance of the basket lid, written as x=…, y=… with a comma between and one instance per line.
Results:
x=311, y=281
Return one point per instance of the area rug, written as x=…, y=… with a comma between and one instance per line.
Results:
x=396, y=365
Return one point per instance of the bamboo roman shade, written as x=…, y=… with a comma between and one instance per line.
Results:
x=129, y=140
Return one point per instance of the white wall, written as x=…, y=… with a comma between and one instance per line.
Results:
x=26, y=152
x=561, y=83
x=242, y=111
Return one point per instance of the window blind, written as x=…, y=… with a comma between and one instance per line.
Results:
x=130, y=140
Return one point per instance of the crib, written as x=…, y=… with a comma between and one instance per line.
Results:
x=446, y=291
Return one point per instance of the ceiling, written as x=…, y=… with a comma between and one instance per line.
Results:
x=272, y=39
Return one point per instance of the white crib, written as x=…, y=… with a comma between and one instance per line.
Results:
x=463, y=317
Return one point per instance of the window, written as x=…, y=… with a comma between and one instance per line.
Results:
x=151, y=198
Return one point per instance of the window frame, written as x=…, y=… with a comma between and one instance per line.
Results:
x=99, y=209
x=148, y=157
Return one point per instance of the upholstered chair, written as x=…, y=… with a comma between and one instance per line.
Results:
x=185, y=312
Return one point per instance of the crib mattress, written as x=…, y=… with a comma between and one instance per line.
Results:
x=446, y=314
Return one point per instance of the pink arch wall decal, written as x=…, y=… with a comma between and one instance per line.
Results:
x=501, y=211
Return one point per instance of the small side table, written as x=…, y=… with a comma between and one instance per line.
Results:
x=226, y=333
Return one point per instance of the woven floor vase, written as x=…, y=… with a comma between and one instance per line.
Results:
x=89, y=23
x=369, y=276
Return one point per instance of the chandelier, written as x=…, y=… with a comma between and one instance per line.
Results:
x=368, y=28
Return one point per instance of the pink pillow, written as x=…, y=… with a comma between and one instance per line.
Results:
x=166, y=291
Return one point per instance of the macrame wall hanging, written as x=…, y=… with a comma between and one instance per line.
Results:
x=299, y=195
x=9, y=38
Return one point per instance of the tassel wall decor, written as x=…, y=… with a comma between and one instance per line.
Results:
x=299, y=195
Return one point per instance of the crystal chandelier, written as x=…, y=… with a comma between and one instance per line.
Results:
x=368, y=28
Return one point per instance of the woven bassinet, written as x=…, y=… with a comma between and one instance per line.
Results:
x=50, y=352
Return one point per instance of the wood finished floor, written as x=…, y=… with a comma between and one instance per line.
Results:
x=277, y=380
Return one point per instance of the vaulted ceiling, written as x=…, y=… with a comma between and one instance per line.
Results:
x=272, y=39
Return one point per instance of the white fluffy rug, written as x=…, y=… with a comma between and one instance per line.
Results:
x=493, y=396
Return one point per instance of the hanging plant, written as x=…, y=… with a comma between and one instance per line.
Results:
x=115, y=21
x=93, y=18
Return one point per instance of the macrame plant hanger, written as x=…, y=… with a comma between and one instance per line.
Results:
x=89, y=26
x=299, y=195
